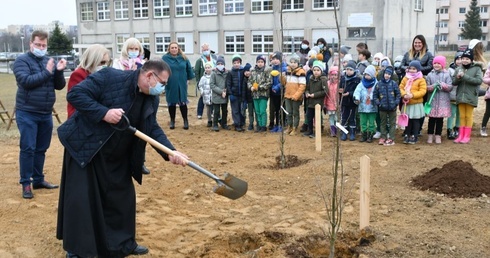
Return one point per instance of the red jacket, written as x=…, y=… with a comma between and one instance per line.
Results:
x=75, y=78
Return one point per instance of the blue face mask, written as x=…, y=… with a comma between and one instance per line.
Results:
x=133, y=54
x=39, y=52
x=320, y=45
x=157, y=90
x=206, y=52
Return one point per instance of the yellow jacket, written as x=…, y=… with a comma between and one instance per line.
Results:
x=419, y=88
x=295, y=84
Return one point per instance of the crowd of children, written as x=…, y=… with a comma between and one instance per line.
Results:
x=363, y=96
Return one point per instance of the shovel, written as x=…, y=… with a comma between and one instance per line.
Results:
x=229, y=187
x=403, y=117
x=427, y=106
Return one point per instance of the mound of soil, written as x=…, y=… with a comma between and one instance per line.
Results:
x=455, y=179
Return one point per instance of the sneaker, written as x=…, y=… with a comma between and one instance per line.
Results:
x=483, y=132
x=438, y=139
x=412, y=140
x=381, y=141
x=209, y=124
x=377, y=135
x=199, y=117
x=250, y=128
x=405, y=139
x=389, y=142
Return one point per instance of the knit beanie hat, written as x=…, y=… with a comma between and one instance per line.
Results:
x=221, y=60
x=389, y=70
x=236, y=57
x=347, y=58
x=333, y=70
x=371, y=71
x=277, y=55
x=310, y=62
x=318, y=64
x=344, y=49
x=210, y=64
x=416, y=64
x=351, y=65
x=440, y=60
x=247, y=67
x=378, y=55
x=261, y=57
x=294, y=58
x=458, y=55
x=468, y=53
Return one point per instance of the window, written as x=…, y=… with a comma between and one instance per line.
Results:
x=161, y=42
x=121, y=10
x=461, y=38
x=140, y=9
x=103, y=11
x=461, y=24
x=443, y=37
x=442, y=24
x=234, y=42
x=484, y=9
x=483, y=38
x=86, y=11
x=183, y=8
x=292, y=5
x=325, y=4
x=418, y=6
x=208, y=7
x=291, y=41
x=365, y=32
x=442, y=11
x=161, y=8
x=262, y=42
x=259, y=6
x=185, y=41
x=120, y=39
x=233, y=6
x=483, y=23
x=144, y=39
x=462, y=10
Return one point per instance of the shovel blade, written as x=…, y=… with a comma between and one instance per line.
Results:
x=231, y=187
x=427, y=108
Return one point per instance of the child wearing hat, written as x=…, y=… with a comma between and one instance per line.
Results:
x=220, y=95
x=248, y=98
x=439, y=84
x=386, y=96
x=259, y=84
x=348, y=84
x=363, y=97
x=205, y=89
x=295, y=84
x=279, y=68
x=330, y=101
x=453, y=121
x=236, y=90
x=412, y=89
x=468, y=78
x=315, y=93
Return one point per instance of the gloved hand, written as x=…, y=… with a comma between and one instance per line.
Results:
x=275, y=73
x=437, y=86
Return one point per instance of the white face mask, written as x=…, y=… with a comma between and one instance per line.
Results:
x=220, y=67
x=100, y=67
x=304, y=46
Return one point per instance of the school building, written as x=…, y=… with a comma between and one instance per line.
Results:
x=252, y=27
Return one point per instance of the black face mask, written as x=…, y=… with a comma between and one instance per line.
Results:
x=467, y=66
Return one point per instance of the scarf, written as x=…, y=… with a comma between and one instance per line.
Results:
x=412, y=77
x=128, y=63
x=348, y=78
x=368, y=83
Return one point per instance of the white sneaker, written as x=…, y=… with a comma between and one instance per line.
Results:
x=377, y=135
x=483, y=132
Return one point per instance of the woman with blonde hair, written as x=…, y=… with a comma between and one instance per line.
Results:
x=177, y=84
x=95, y=58
x=131, y=55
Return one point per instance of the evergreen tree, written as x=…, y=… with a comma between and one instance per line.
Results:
x=59, y=43
x=471, y=29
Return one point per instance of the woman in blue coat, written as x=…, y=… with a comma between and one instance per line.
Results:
x=176, y=89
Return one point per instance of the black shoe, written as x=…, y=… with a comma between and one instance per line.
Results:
x=186, y=124
x=27, y=192
x=172, y=125
x=44, y=185
x=239, y=129
x=250, y=127
x=140, y=250
x=304, y=128
x=209, y=124
x=70, y=255
x=226, y=127
x=145, y=170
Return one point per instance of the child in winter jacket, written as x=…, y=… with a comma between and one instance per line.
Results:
x=387, y=96
x=439, y=84
x=412, y=89
x=205, y=90
x=453, y=120
x=236, y=90
x=220, y=95
x=330, y=101
x=348, y=84
x=363, y=97
x=295, y=84
x=279, y=69
x=315, y=93
x=468, y=78
x=259, y=84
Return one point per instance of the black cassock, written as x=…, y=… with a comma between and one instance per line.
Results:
x=97, y=205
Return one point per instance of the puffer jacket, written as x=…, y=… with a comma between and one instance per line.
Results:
x=205, y=89
x=419, y=89
x=317, y=87
x=218, y=85
x=234, y=84
x=365, y=97
x=441, y=103
x=84, y=133
x=277, y=86
x=349, y=84
x=261, y=76
x=386, y=95
x=468, y=85
x=35, y=84
x=295, y=82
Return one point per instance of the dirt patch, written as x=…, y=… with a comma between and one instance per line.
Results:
x=288, y=161
x=456, y=179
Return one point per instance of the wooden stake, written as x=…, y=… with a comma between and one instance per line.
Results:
x=318, y=128
x=364, y=192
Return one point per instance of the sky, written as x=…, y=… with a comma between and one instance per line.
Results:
x=27, y=12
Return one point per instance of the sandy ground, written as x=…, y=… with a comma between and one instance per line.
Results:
x=283, y=214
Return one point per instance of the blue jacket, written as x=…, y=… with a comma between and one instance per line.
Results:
x=84, y=133
x=386, y=95
x=276, y=80
x=349, y=84
x=176, y=89
x=235, y=87
x=35, y=84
